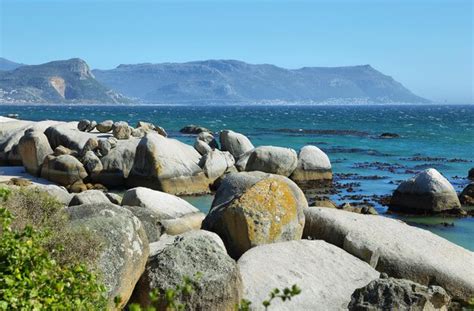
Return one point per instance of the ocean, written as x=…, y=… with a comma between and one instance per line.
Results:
x=365, y=165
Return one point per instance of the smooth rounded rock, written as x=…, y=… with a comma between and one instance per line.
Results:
x=237, y=144
x=83, y=125
x=33, y=148
x=273, y=160
x=313, y=167
x=64, y=170
x=89, y=197
x=105, y=126
x=121, y=130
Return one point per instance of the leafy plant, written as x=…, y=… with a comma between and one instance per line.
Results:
x=31, y=280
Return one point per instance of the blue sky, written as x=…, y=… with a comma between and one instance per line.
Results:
x=425, y=44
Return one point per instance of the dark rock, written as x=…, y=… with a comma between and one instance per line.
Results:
x=467, y=195
x=389, y=135
x=83, y=125
x=470, y=175
x=194, y=129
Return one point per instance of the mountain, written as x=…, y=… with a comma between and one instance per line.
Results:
x=236, y=81
x=6, y=64
x=58, y=81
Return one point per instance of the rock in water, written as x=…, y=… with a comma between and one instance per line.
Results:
x=404, y=251
x=314, y=167
x=470, y=175
x=154, y=207
x=34, y=147
x=124, y=249
x=194, y=129
x=326, y=274
x=64, y=170
x=121, y=130
x=273, y=160
x=167, y=165
x=428, y=192
x=252, y=209
x=89, y=197
x=236, y=143
x=467, y=195
x=196, y=252
x=105, y=126
x=398, y=294
x=389, y=135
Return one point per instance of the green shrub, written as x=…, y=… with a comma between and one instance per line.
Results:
x=31, y=280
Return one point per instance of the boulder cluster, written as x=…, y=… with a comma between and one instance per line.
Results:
x=259, y=234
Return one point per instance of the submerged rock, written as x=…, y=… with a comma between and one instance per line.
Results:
x=237, y=144
x=219, y=286
x=124, y=251
x=326, y=274
x=398, y=294
x=428, y=192
x=389, y=135
x=167, y=165
x=273, y=160
x=252, y=209
x=404, y=251
x=314, y=167
x=194, y=129
x=33, y=148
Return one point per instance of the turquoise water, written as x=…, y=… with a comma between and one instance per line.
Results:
x=430, y=136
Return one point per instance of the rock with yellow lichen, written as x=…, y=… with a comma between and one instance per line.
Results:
x=255, y=208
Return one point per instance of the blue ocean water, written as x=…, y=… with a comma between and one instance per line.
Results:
x=439, y=136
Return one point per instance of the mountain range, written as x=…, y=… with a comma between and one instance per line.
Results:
x=211, y=81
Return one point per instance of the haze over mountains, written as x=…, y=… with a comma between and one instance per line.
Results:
x=211, y=81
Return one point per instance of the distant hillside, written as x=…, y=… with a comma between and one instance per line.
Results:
x=59, y=81
x=236, y=81
x=6, y=64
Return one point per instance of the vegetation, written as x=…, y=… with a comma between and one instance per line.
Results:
x=30, y=279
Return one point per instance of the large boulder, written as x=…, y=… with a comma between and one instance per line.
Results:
x=467, y=195
x=403, y=251
x=194, y=253
x=255, y=208
x=57, y=192
x=89, y=197
x=167, y=165
x=67, y=135
x=398, y=294
x=237, y=144
x=64, y=170
x=117, y=163
x=326, y=274
x=92, y=163
x=121, y=130
x=124, y=250
x=153, y=208
x=202, y=147
x=314, y=167
x=215, y=163
x=34, y=147
x=209, y=139
x=273, y=160
x=428, y=192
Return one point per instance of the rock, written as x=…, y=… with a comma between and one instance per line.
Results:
x=167, y=206
x=104, y=146
x=145, y=126
x=252, y=209
x=67, y=135
x=428, y=192
x=404, y=251
x=167, y=165
x=138, y=132
x=91, y=126
x=114, y=198
x=117, y=163
x=124, y=249
x=77, y=187
x=326, y=274
x=183, y=224
x=160, y=130
x=273, y=160
x=389, y=135
x=92, y=163
x=202, y=147
x=398, y=294
x=57, y=192
x=89, y=197
x=121, y=130
x=209, y=139
x=313, y=167
x=60, y=150
x=241, y=163
x=33, y=148
x=112, y=141
x=91, y=145
x=470, y=175
x=83, y=125
x=359, y=210
x=215, y=163
x=189, y=254
x=64, y=170
x=236, y=143
x=20, y=182
x=105, y=126
x=467, y=195
x=323, y=203
x=194, y=129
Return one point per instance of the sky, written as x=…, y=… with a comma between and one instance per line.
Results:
x=427, y=45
